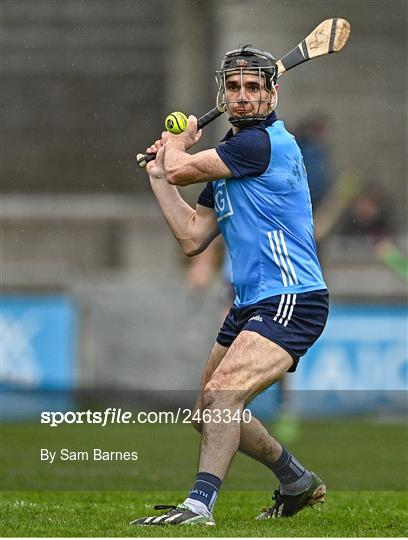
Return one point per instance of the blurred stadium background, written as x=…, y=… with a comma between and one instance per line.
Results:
x=94, y=294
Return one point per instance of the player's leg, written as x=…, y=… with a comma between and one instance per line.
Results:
x=255, y=441
x=217, y=354
x=252, y=363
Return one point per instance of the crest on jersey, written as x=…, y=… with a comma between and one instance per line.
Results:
x=223, y=207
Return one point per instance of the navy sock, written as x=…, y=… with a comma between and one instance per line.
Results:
x=293, y=477
x=206, y=489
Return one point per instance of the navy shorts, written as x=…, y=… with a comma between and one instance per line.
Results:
x=293, y=321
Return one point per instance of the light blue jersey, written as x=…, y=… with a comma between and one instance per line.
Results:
x=267, y=225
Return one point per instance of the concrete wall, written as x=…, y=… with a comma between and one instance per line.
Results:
x=82, y=90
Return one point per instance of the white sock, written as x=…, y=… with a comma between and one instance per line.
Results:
x=197, y=507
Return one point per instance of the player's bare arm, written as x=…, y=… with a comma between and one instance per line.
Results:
x=193, y=229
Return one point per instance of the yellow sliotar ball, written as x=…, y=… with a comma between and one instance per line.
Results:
x=176, y=122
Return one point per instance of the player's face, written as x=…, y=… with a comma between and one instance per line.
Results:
x=247, y=95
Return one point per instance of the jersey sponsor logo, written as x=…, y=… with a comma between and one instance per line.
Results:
x=223, y=207
x=281, y=257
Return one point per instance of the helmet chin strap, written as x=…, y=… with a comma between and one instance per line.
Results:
x=274, y=97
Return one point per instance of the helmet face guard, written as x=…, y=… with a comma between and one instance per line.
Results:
x=247, y=60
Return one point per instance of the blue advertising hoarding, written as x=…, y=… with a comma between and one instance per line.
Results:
x=38, y=354
x=38, y=341
x=362, y=348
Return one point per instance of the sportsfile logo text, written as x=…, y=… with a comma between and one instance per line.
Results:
x=118, y=416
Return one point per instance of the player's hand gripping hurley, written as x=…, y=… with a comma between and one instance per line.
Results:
x=328, y=37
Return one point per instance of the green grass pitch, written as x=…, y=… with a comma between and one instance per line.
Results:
x=375, y=513
x=363, y=463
